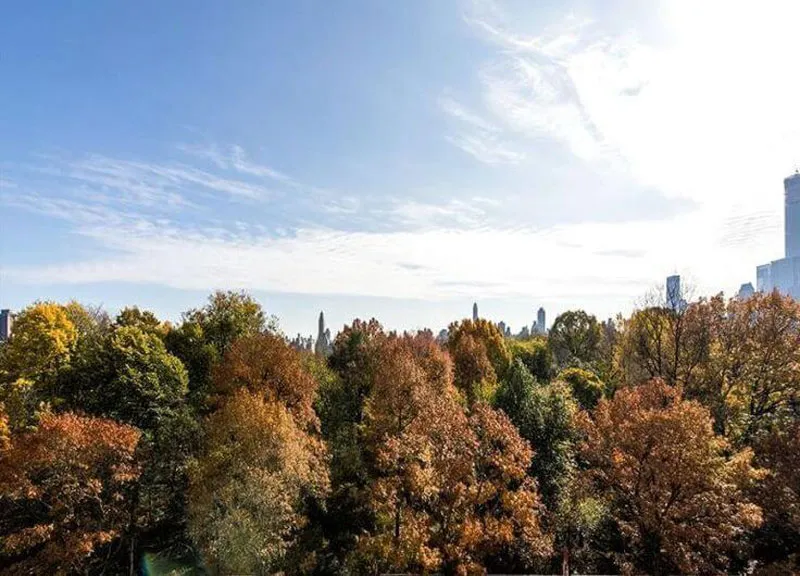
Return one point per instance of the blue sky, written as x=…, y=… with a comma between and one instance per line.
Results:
x=391, y=159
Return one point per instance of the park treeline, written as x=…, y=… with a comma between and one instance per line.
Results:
x=665, y=442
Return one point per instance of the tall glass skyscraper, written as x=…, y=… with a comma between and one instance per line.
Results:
x=784, y=274
x=792, y=215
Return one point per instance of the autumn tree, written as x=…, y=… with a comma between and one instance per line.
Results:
x=64, y=492
x=575, y=338
x=475, y=376
x=777, y=542
x=678, y=501
x=40, y=347
x=250, y=487
x=486, y=335
x=751, y=378
x=265, y=364
x=535, y=354
x=504, y=500
x=340, y=405
x=586, y=387
x=449, y=491
x=228, y=316
x=661, y=342
x=41, y=344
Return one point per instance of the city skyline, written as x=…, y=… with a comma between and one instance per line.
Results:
x=396, y=161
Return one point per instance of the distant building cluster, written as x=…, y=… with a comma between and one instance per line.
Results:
x=321, y=346
x=538, y=328
x=784, y=275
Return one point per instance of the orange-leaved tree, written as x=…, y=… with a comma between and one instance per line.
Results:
x=64, y=493
x=678, y=499
x=266, y=365
x=449, y=491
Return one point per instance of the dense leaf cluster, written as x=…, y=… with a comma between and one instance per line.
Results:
x=661, y=443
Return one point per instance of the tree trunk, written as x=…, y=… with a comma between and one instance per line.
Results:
x=131, y=571
x=565, y=561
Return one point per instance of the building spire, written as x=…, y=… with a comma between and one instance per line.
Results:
x=322, y=347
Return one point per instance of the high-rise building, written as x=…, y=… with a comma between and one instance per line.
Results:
x=745, y=291
x=474, y=311
x=323, y=345
x=784, y=274
x=791, y=209
x=674, y=295
x=6, y=323
x=541, y=321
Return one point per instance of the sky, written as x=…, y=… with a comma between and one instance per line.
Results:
x=396, y=160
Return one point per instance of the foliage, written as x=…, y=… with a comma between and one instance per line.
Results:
x=578, y=522
x=740, y=358
x=249, y=485
x=228, y=316
x=778, y=540
x=145, y=320
x=475, y=376
x=5, y=429
x=188, y=343
x=485, y=334
x=40, y=345
x=575, y=338
x=535, y=354
x=659, y=342
x=677, y=499
x=89, y=321
x=544, y=415
x=265, y=364
x=64, y=492
x=449, y=492
x=751, y=378
x=396, y=453
x=586, y=387
x=340, y=406
x=145, y=382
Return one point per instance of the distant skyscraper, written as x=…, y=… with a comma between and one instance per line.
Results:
x=791, y=206
x=674, y=296
x=784, y=274
x=541, y=321
x=6, y=323
x=322, y=347
x=745, y=291
x=474, y=311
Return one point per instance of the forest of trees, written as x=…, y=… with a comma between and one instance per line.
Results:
x=666, y=442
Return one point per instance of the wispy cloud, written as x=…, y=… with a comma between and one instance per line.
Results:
x=444, y=261
x=235, y=159
x=455, y=213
